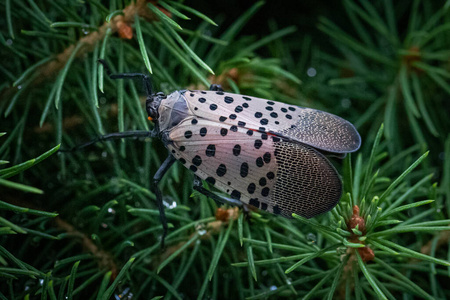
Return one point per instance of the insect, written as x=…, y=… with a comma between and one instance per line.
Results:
x=260, y=152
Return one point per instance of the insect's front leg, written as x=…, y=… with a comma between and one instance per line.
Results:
x=145, y=78
x=165, y=166
x=112, y=136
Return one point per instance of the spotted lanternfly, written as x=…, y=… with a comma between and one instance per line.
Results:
x=260, y=152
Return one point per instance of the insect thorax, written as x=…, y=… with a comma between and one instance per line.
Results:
x=172, y=111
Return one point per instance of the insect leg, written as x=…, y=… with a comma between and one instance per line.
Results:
x=216, y=197
x=146, y=78
x=165, y=166
x=113, y=136
x=216, y=87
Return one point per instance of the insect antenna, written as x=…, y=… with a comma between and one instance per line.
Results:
x=145, y=78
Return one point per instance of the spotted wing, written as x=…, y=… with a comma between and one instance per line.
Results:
x=257, y=168
x=312, y=127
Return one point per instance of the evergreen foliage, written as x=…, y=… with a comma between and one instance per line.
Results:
x=85, y=225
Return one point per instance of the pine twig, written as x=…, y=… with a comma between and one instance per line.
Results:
x=105, y=259
x=119, y=23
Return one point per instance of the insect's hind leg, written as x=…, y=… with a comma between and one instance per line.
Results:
x=165, y=166
x=216, y=197
x=145, y=78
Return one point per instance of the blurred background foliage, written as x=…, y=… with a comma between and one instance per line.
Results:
x=84, y=224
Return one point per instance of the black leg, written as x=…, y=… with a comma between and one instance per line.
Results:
x=146, y=78
x=113, y=136
x=216, y=197
x=216, y=87
x=165, y=166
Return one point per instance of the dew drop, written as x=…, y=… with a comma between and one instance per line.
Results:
x=311, y=72
x=123, y=294
x=311, y=238
x=346, y=103
x=201, y=229
x=170, y=204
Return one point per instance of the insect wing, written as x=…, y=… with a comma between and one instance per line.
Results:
x=307, y=183
x=257, y=168
x=312, y=127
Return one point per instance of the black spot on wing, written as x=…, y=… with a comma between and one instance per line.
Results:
x=244, y=170
x=197, y=160
x=235, y=195
x=262, y=181
x=223, y=131
x=210, y=150
x=237, y=150
x=228, y=99
x=259, y=162
x=258, y=144
x=251, y=188
x=210, y=180
x=203, y=131
x=254, y=202
x=221, y=170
